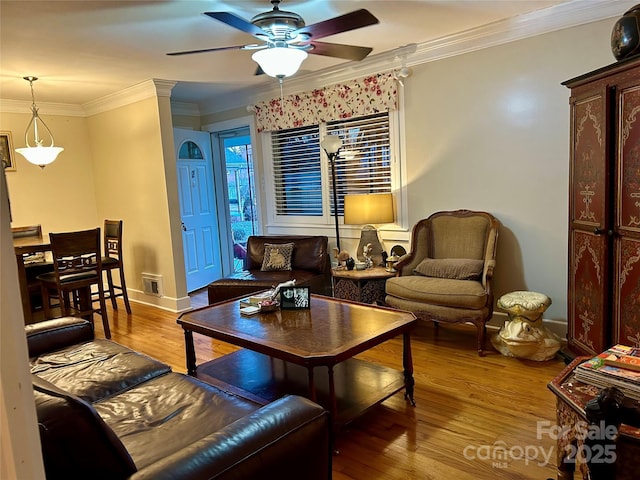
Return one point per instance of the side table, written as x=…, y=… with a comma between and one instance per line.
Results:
x=365, y=286
x=572, y=429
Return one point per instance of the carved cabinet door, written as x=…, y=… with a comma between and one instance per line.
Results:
x=626, y=232
x=589, y=219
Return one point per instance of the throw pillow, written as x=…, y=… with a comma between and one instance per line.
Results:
x=455, y=268
x=277, y=257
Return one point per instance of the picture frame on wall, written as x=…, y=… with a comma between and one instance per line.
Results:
x=295, y=298
x=7, y=158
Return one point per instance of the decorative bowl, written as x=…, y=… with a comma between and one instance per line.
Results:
x=269, y=306
x=361, y=265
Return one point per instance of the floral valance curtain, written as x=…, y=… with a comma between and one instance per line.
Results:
x=357, y=98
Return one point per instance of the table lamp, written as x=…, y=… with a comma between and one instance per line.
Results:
x=369, y=209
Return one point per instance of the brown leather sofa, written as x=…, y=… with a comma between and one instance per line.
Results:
x=108, y=412
x=310, y=266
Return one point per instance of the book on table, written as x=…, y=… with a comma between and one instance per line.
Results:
x=611, y=368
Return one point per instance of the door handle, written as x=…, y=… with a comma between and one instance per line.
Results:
x=184, y=228
x=600, y=231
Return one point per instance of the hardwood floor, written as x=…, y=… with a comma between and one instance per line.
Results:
x=469, y=409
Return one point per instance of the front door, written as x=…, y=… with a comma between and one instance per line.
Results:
x=200, y=234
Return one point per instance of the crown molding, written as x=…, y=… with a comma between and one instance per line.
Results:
x=141, y=91
x=539, y=22
x=558, y=17
x=23, y=106
x=184, y=108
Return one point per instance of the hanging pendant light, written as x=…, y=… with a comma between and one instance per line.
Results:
x=37, y=153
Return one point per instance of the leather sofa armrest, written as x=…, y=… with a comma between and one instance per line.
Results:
x=286, y=439
x=57, y=333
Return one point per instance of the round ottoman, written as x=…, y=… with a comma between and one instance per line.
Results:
x=523, y=334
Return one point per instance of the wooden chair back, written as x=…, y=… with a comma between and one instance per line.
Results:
x=76, y=253
x=113, y=239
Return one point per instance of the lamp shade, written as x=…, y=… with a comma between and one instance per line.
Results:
x=369, y=208
x=279, y=62
x=40, y=155
x=331, y=143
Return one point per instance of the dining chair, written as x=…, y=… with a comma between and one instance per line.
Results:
x=35, y=263
x=112, y=259
x=77, y=262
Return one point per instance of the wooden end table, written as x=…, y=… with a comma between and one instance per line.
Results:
x=366, y=286
x=283, y=348
x=571, y=398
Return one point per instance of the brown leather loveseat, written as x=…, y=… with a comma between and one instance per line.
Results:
x=310, y=266
x=107, y=412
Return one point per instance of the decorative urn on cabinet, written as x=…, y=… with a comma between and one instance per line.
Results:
x=625, y=37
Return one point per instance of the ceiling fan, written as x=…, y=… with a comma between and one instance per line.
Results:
x=288, y=40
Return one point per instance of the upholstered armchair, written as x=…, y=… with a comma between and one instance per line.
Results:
x=446, y=277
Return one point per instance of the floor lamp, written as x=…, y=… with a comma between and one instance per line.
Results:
x=331, y=145
x=369, y=209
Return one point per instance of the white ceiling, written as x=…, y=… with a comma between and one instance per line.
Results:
x=84, y=50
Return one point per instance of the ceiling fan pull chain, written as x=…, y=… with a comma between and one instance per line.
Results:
x=281, y=95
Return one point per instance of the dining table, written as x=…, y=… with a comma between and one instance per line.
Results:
x=27, y=245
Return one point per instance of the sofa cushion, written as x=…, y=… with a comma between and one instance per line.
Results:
x=97, y=369
x=438, y=291
x=173, y=406
x=277, y=257
x=456, y=268
x=74, y=437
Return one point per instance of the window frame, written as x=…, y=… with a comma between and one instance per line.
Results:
x=325, y=223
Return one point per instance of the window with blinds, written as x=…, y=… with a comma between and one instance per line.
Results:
x=363, y=166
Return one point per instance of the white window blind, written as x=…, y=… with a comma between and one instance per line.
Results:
x=363, y=166
x=297, y=172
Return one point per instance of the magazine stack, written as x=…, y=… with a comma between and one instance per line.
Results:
x=618, y=366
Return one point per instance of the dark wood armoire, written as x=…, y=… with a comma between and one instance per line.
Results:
x=604, y=208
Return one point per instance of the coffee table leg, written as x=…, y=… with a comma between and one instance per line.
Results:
x=407, y=363
x=312, y=385
x=190, y=351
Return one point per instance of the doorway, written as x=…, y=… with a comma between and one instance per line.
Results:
x=198, y=211
x=242, y=209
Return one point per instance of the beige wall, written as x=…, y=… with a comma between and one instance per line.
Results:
x=61, y=196
x=490, y=131
x=128, y=151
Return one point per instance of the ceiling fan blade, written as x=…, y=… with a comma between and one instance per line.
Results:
x=237, y=22
x=343, y=23
x=348, y=52
x=204, y=50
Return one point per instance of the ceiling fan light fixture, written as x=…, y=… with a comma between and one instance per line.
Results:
x=279, y=62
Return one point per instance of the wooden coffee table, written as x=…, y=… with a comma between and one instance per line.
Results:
x=282, y=349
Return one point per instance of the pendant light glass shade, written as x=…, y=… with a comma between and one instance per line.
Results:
x=279, y=62
x=37, y=153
